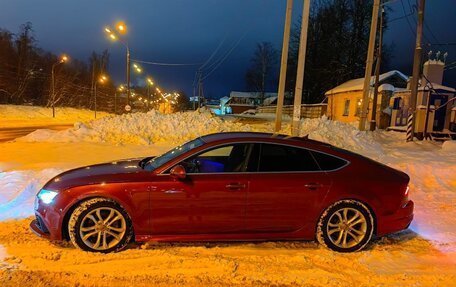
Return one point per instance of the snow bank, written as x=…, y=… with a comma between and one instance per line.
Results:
x=449, y=146
x=154, y=127
x=20, y=116
x=18, y=190
x=141, y=128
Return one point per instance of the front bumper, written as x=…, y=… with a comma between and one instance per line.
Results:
x=48, y=220
x=36, y=228
x=398, y=221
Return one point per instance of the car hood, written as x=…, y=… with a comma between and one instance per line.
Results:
x=117, y=171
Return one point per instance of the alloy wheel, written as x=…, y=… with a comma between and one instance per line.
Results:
x=347, y=227
x=102, y=228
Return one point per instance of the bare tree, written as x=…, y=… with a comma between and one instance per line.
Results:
x=262, y=68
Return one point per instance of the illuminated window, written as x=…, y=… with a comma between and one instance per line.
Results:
x=358, y=107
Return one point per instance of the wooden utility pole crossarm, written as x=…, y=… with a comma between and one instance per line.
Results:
x=369, y=61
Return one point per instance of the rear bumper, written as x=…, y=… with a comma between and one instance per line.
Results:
x=397, y=221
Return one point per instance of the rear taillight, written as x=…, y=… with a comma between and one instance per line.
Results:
x=405, y=199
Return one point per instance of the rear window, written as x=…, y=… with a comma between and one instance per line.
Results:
x=328, y=162
x=275, y=158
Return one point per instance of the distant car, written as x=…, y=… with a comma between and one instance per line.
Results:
x=228, y=186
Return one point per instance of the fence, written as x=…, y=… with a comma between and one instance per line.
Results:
x=307, y=111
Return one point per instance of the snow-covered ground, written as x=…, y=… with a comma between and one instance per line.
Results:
x=28, y=116
x=424, y=255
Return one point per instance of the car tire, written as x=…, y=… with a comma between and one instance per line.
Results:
x=346, y=226
x=100, y=225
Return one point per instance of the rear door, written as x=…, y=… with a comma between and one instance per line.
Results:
x=286, y=189
x=211, y=200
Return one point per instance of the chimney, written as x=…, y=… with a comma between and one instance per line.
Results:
x=433, y=70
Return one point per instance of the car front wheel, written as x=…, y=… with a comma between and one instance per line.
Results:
x=346, y=226
x=100, y=225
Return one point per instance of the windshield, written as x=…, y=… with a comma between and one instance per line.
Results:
x=155, y=162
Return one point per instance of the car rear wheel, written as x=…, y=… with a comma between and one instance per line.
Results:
x=100, y=225
x=346, y=226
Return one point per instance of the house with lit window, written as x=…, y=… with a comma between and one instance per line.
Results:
x=345, y=100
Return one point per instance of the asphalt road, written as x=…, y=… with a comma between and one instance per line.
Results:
x=8, y=134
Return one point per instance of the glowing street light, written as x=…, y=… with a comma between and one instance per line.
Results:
x=102, y=79
x=137, y=68
x=63, y=59
x=149, y=84
x=121, y=27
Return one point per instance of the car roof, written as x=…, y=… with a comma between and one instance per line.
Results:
x=250, y=135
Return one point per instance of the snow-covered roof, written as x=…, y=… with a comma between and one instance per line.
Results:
x=251, y=95
x=358, y=84
x=437, y=87
x=269, y=100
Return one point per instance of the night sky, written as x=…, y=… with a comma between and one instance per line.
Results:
x=188, y=31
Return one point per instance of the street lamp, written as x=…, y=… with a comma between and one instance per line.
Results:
x=149, y=84
x=122, y=30
x=63, y=59
x=120, y=89
x=102, y=79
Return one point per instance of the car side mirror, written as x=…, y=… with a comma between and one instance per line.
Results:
x=178, y=172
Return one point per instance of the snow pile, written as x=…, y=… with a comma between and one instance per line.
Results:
x=449, y=146
x=154, y=127
x=342, y=135
x=18, y=190
x=19, y=116
x=141, y=128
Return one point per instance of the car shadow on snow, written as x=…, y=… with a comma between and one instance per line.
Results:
x=384, y=242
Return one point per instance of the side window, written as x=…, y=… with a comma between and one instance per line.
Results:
x=285, y=158
x=346, y=108
x=328, y=162
x=229, y=158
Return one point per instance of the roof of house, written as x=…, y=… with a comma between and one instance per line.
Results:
x=437, y=87
x=251, y=95
x=358, y=84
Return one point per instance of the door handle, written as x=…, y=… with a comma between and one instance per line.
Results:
x=313, y=186
x=235, y=186
x=174, y=191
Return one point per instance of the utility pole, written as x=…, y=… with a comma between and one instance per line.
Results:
x=128, y=75
x=115, y=102
x=368, y=70
x=300, y=72
x=416, y=73
x=283, y=66
x=373, y=123
x=200, y=89
x=95, y=99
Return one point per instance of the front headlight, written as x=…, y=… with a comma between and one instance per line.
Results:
x=46, y=196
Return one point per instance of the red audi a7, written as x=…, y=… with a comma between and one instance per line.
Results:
x=228, y=186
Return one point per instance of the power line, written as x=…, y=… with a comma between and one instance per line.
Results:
x=406, y=17
x=213, y=53
x=165, y=64
x=217, y=64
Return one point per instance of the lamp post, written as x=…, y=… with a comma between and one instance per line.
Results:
x=122, y=30
x=101, y=80
x=120, y=89
x=149, y=84
x=62, y=60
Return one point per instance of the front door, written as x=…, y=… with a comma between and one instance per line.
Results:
x=286, y=191
x=211, y=199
